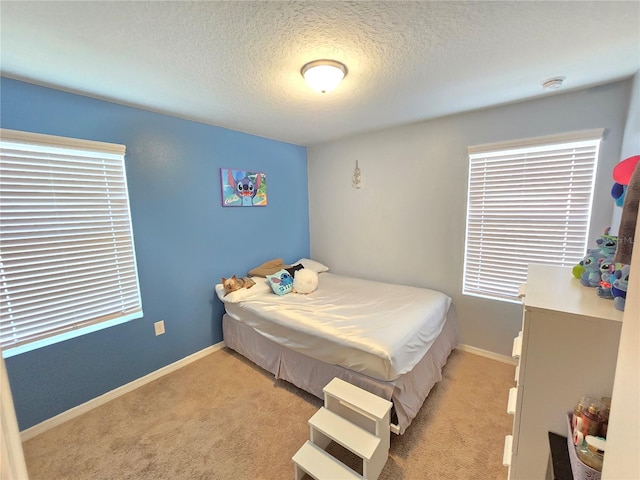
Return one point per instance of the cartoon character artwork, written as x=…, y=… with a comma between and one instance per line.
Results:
x=243, y=189
x=281, y=282
x=284, y=281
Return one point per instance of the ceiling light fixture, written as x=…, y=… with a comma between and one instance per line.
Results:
x=553, y=83
x=324, y=75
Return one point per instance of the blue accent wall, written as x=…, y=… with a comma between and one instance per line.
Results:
x=185, y=241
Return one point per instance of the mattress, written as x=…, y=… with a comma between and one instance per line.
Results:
x=378, y=329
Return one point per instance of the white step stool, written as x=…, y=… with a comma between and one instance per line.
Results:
x=357, y=420
x=311, y=458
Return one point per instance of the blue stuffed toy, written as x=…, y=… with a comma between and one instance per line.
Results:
x=620, y=284
x=618, y=192
x=607, y=244
x=591, y=274
x=592, y=267
x=606, y=278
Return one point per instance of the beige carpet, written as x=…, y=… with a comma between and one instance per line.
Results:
x=222, y=417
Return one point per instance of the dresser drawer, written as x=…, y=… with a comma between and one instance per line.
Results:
x=516, y=351
x=507, y=452
x=514, y=407
x=512, y=403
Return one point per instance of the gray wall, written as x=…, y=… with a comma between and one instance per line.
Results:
x=407, y=222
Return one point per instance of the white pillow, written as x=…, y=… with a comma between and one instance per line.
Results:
x=313, y=265
x=281, y=282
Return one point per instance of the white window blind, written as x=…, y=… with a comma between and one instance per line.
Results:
x=67, y=259
x=528, y=202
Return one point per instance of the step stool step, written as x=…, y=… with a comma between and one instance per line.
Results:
x=321, y=465
x=342, y=431
x=371, y=404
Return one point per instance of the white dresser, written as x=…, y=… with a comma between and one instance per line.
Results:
x=567, y=348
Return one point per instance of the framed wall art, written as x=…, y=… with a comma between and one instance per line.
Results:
x=241, y=188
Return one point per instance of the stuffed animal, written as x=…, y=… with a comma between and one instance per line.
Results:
x=593, y=254
x=585, y=270
x=620, y=284
x=607, y=243
x=591, y=274
x=232, y=284
x=618, y=193
x=606, y=278
x=305, y=281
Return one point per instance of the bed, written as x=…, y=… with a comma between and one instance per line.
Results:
x=391, y=340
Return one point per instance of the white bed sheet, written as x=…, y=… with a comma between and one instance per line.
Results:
x=378, y=329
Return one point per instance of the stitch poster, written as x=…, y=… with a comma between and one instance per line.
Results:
x=243, y=189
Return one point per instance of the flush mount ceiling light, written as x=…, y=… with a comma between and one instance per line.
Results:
x=324, y=75
x=553, y=83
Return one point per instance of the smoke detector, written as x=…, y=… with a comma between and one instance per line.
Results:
x=553, y=83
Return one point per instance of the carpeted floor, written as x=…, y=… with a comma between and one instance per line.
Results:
x=222, y=417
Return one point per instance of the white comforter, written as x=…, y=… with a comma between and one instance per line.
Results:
x=379, y=329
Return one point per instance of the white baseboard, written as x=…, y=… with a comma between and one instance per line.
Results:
x=488, y=354
x=102, y=399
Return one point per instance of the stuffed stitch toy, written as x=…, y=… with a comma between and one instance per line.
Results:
x=591, y=274
x=585, y=270
x=591, y=256
x=607, y=243
x=620, y=284
x=606, y=278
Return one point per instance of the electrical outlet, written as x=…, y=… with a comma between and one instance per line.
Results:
x=159, y=327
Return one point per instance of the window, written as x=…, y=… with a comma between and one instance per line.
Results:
x=528, y=202
x=67, y=260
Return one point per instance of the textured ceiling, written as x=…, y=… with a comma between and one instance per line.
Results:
x=237, y=64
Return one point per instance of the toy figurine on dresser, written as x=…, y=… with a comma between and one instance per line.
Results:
x=594, y=268
x=626, y=232
x=607, y=266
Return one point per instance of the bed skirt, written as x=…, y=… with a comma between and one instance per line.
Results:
x=407, y=393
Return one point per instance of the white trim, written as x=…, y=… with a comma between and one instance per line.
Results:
x=595, y=133
x=487, y=354
x=64, y=142
x=12, y=458
x=115, y=393
x=28, y=347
